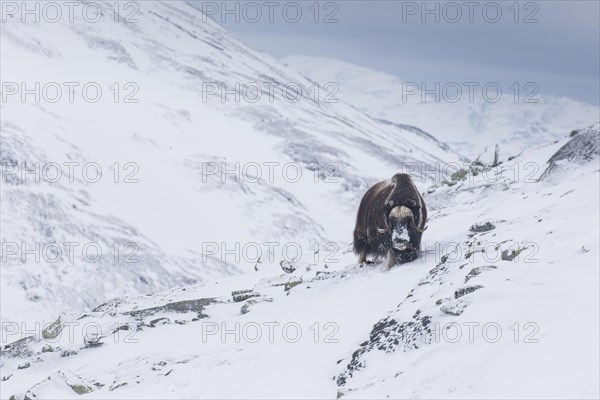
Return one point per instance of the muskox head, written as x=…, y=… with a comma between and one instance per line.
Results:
x=404, y=234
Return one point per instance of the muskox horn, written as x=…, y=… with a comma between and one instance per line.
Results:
x=395, y=210
x=421, y=230
x=386, y=229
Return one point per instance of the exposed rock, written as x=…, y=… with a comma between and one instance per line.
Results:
x=241, y=295
x=478, y=270
x=509, y=255
x=246, y=307
x=18, y=349
x=466, y=290
x=439, y=302
x=62, y=377
x=583, y=146
x=482, y=227
x=110, y=305
x=459, y=175
x=47, y=349
x=242, y=291
x=388, y=335
x=92, y=340
x=196, y=305
x=81, y=389
x=323, y=275
x=68, y=353
x=455, y=308
x=53, y=330
x=157, y=321
x=287, y=266
x=291, y=283
x=119, y=385
x=24, y=365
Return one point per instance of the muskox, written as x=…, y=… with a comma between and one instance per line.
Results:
x=390, y=221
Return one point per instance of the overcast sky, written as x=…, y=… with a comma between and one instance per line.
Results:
x=555, y=44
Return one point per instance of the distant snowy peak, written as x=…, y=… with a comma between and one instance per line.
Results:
x=467, y=124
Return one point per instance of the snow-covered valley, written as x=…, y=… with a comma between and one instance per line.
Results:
x=503, y=301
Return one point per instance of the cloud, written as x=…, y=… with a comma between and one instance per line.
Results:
x=536, y=41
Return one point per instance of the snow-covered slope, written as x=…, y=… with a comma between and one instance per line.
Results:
x=518, y=120
x=504, y=302
x=132, y=99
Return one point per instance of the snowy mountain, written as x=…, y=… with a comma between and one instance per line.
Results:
x=502, y=303
x=520, y=117
x=135, y=157
x=158, y=154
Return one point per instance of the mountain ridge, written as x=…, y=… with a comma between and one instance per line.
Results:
x=515, y=121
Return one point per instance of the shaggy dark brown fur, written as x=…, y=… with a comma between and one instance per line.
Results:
x=388, y=210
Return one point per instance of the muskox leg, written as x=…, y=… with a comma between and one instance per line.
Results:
x=362, y=257
x=390, y=261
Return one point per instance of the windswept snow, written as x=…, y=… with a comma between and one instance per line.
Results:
x=181, y=171
x=503, y=301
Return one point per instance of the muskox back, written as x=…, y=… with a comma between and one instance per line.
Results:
x=371, y=234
